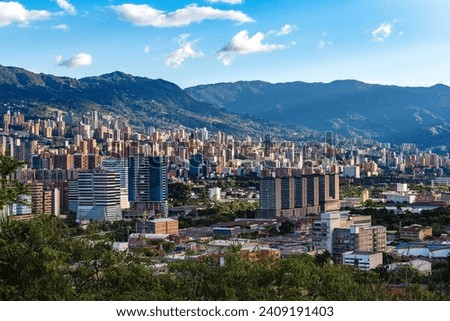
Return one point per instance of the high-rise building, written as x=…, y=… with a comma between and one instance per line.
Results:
x=72, y=195
x=119, y=166
x=298, y=196
x=196, y=164
x=6, y=122
x=94, y=119
x=36, y=189
x=56, y=201
x=323, y=230
x=94, y=161
x=148, y=183
x=99, y=196
x=80, y=161
x=21, y=208
x=329, y=138
x=47, y=202
x=63, y=161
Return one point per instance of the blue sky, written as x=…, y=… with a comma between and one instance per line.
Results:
x=401, y=42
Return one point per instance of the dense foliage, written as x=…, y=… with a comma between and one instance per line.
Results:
x=220, y=212
x=10, y=189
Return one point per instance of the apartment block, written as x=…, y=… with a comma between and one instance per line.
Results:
x=341, y=232
x=163, y=226
x=298, y=196
x=415, y=232
x=363, y=260
x=99, y=196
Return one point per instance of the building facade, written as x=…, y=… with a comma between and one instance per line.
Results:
x=298, y=196
x=363, y=260
x=148, y=183
x=340, y=232
x=99, y=196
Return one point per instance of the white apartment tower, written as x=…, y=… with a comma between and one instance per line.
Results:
x=99, y=196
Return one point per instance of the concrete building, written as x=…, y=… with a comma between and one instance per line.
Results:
x=214, y=193
x=323, y=230
x=72, y=195
x=401, y=195
x=163, y=226
x=56, y=201
x=351, y=171
x=63, y=161
x=119, y=166
x=298, y=196
x=47, y=201
x=36, y=189
x=415, y=232
x=358, y=238
x=423, y=266
x=21, y=209
x=255, y=253
x=340, y=232
x=99, y=196
x=363, y=260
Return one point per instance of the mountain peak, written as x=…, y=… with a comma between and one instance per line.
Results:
x=115, y=76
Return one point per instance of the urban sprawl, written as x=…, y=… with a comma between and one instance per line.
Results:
x=303, y=196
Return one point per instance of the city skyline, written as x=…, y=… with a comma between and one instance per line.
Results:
x=386, y=42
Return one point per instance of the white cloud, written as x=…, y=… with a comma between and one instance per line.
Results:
x=81, y=59
x=383, y=32
x=67, y=7
x=186, y=50
x=144, y=15
x=285, y=30
x=14, y=12
x=226, y=1
x=62, y=27
x=242, y=44
x=147, y=49
x=322, y=44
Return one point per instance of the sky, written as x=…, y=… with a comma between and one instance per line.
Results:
x=395, y=42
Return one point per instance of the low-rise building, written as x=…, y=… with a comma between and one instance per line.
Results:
x=401, y=195
x=423, y=266
x=255, y=253
x=163, y=226
x=363, y=260
x=415, y=232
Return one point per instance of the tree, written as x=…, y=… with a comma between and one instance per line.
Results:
x=287, y=227
x=179, y=193
x=11, y=190
x=33, y=263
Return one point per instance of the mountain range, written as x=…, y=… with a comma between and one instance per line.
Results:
x=289, y=110
x=144, y=102
x=387, y=113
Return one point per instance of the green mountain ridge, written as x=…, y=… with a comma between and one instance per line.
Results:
x=145, y=102
x=348, y=107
